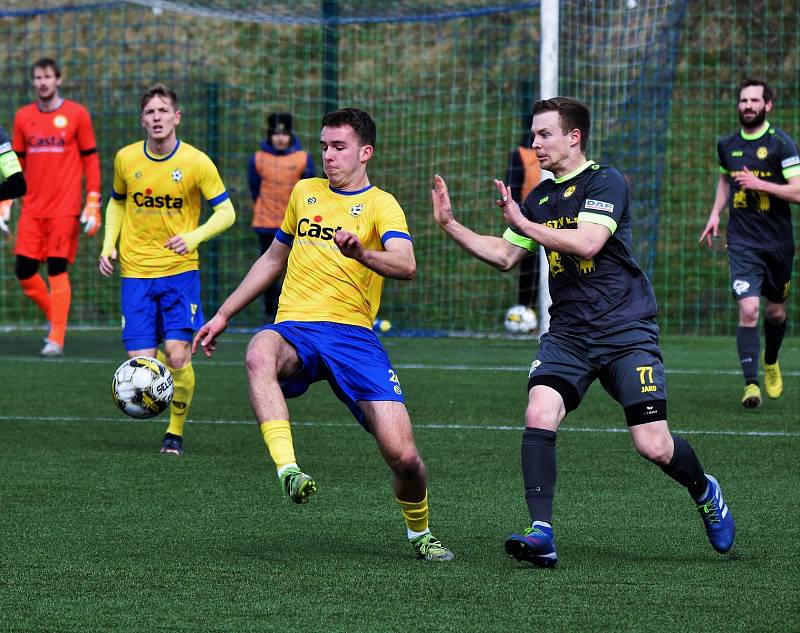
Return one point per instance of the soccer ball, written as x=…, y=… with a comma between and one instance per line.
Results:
x=382, y=325
x=142, y=387
x=520, y=320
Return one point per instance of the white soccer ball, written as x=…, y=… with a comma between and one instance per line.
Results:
x=520, y=320
x=142, y=387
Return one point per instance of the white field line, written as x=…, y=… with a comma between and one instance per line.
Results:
x=436, y=366
x=438, y=426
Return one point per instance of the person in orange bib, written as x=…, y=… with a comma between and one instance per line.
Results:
x=55, y=142
x=272, y=173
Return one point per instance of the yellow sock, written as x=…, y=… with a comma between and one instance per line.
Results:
x=416, y=514
x=183, y=379
x=277, y=436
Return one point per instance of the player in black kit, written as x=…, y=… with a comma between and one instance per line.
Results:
x=602, y=320
x=760, y=166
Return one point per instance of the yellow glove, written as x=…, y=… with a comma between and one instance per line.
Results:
x=91, y=217
x=5, y=214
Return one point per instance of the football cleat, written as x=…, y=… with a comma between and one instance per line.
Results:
x=535, y=545
x=51, y=349
x=430, y=548
x=717, y=517
x=297, y=485
x=172, y=445
x=752, y=397
x=773, y=381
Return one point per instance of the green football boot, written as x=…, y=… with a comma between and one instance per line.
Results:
x=430, y=548
x=297, y=485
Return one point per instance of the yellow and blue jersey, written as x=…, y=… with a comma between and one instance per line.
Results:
x=162, y=197
x=322, y=284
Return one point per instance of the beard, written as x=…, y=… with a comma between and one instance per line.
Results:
x=754, y=121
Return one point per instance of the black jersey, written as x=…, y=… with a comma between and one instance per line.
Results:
x=756, y=218
x=609, y=289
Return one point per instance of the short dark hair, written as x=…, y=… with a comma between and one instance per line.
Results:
x=360, y=121
x=754, y=81
x=159, y=90
x=46, y=62
x=573, y=113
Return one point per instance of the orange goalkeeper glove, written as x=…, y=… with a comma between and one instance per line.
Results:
x=91, y=217
x=5, y=214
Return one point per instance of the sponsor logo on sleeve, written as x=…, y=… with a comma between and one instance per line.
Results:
x=599, y=205
x=788, y=162
x=5, y=147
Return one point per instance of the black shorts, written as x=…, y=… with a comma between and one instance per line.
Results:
x=626, y=359
x=761, y=272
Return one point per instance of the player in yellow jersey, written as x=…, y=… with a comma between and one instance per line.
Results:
x=340, y=238
x=155, y=212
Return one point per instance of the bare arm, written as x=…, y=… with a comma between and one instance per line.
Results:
x=492, y=250
x=720, y=201
x=790, y=192
x=395, y=262
x=585, y=241
x=262, y=274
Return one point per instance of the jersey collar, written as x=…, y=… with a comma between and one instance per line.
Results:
x=161, y=159
x=755, y=135
x=583, y=167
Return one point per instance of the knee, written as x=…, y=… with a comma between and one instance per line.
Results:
x=775, y=313
x=656, y=448
x=408, y=465
x=541, y=418
x=748, y=315
x=259, y=363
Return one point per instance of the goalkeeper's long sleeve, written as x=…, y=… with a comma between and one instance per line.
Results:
x=115, y=211
x=223, y=217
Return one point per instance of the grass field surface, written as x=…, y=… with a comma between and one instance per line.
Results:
x=101, y=533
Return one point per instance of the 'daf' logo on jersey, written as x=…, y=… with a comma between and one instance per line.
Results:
x=148, y=201
x=307, y=227
x=761, y=152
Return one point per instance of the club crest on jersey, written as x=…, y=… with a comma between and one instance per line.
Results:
x=356, y=210
x=60, y=121
x=177, y=175
x=311, y=200
x=761, y=152
x=599, y=205
x=569, y=191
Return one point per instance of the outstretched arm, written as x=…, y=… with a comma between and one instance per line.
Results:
x=262, y=274
x=495, y=251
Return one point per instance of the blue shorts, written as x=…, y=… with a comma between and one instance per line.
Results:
x=154, y=310
x=349, y=357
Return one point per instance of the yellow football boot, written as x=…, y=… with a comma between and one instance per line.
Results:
x=752, y=397
x=773, y=381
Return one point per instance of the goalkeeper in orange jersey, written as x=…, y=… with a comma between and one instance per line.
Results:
x=54, y=140
x=154, y=211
